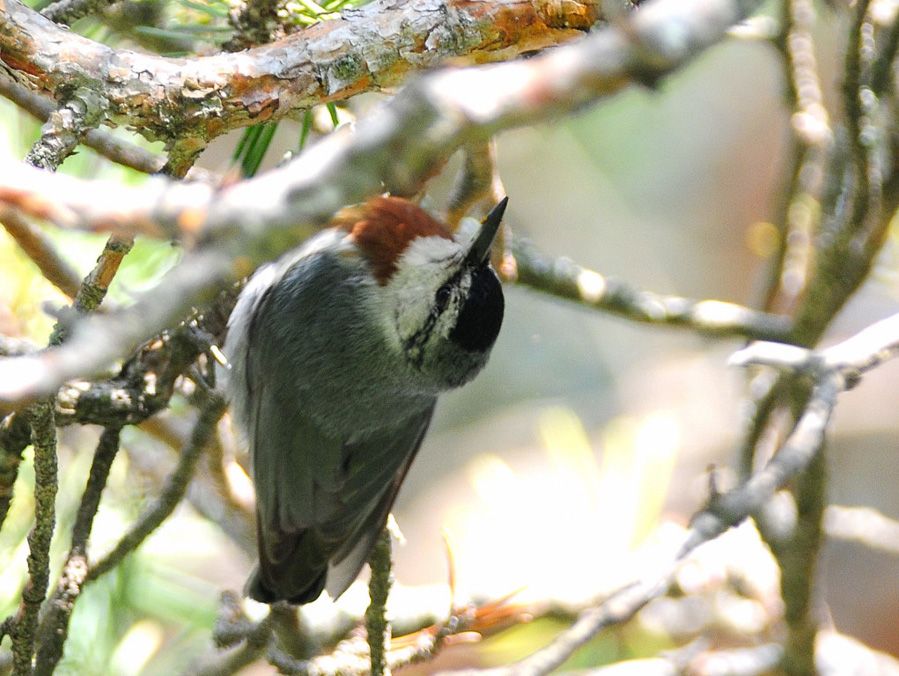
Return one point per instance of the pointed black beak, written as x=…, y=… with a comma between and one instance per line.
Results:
x=480, y=248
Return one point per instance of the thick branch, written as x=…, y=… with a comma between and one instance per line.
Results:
x=257, y=219
x=104, y=143
x=367, y=49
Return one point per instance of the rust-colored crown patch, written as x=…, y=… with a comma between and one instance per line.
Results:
x=383, y=227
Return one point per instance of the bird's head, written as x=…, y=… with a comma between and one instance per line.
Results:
x=442, y=302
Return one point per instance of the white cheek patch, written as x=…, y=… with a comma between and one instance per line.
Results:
x=447, y=319
x=423, y=268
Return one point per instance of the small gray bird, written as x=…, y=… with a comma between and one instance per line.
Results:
x=338, y=352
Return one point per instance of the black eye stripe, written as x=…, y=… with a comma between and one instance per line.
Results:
x=414, y=343
x=442, y=297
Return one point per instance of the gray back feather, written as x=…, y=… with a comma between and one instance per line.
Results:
x=331, y=425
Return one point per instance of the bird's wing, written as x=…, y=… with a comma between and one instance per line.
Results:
x=377, y=470
x=320, y=503
x=320, y=500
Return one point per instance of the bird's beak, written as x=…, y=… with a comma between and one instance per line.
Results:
x=480, y=247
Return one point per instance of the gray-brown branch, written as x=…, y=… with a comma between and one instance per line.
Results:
x=200, y=98
x=395, y=148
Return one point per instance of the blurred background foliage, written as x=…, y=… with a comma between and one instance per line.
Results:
x=586, y=438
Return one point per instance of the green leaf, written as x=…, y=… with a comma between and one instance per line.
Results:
x=307, y=126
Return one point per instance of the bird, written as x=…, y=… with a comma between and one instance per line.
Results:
x=337, y=353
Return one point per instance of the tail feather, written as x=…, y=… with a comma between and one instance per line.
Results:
x=292, y=567
x=259, y=590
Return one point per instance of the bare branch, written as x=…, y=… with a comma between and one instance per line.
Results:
x=171, y=493
x=371, y=48
x=54, y=625
x=38, y=247
x=851, y=358
x=255, y=23
x=726, y=510
x=376, y=625
x=82, y=110
x=104, y=143
x=476, y=181
x=863, y=525
x=445, y=109
x=801, y=448
x=564, y=278
x=94, y=287
x=68, y=11
x=245, y=641
x=857, y=107
x=812, y=139
x=882, y=68
x=43, y=439
x=15, y=435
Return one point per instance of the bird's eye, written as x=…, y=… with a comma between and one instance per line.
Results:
x=442, y=298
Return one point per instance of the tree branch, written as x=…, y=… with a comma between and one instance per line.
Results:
x=564, y=278
x=835, y=370
x=66, y=12
x=104, y=143
x=171, y=493
x=369, y=48
x=444, y=110
x=376, y=625
x=863, y=525
x=65, y=127
x=43, y=439
x=94, y=287
x=54, y=625
x=38, y=247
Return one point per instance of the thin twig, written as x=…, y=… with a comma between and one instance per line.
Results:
x=811, y=140
x=474, y=183
x=38, y=247
x=564, y=278
x=54, y=625
x=882, y=73
x=255, y=23
x=729, y=509
x=859, y=53
x=376, y=625
x=835, y=370
x=242, y=641
x=66, y=12
x=852, y=358
x=864, y=525
x=15, y=435
x=94, y=287
x=43, y=439
x=171, y=492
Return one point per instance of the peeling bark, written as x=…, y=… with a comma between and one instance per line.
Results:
x=195, y=100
